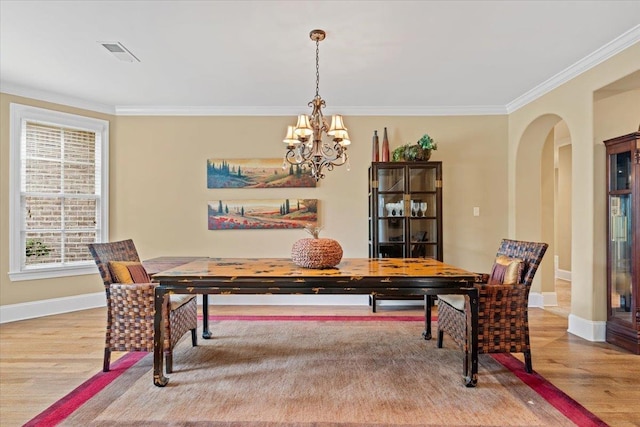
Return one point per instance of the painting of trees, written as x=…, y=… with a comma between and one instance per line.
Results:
x=262, y=214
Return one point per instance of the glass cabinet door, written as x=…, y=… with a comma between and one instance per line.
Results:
x=623, y=241
x=391, y=212
x=423, y=212
x=620, y=233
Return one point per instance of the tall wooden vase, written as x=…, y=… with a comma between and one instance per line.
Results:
x=385, y=147
x=375, y=147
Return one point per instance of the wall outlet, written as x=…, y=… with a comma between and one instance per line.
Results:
x=476, y=211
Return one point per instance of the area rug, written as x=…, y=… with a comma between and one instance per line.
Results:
x=322, y=372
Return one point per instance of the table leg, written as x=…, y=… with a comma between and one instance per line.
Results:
x=206, y=333
x=472, y=359
x=426, y=334
x=158, y=339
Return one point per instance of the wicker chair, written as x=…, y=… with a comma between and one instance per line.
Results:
x=503, y=323
x=130, y=308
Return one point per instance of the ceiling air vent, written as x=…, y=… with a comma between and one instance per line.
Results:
x=118, y=50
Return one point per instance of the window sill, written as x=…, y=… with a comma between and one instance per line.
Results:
x=53, y=272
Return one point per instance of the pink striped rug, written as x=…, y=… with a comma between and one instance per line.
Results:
x=64, y=407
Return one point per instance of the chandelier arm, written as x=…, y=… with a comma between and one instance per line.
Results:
x=333, y=154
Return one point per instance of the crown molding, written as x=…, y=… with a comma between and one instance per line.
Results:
x=56, y=98
x=474, y=110
x=467, y=110
x=612, y=48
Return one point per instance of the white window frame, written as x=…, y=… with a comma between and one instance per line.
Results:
x=19, y=115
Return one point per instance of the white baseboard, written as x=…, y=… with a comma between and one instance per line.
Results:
x=34, y=309
x=544, y=299
x=588, y=329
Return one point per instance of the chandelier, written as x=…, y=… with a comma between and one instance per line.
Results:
x=305, y=146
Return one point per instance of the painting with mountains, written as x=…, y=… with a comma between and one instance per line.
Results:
x=275, y=214
x=256, y=173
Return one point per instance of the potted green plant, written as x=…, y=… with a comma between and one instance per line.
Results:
x=36, y=248
x=420, y=151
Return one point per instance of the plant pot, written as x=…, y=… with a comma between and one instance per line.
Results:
x=411, y=153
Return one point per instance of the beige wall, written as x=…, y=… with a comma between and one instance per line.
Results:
x=547, y=179
x=616, y=115
x=573, y=103
x=562, y=214
x=158, y=193
x=563, y=217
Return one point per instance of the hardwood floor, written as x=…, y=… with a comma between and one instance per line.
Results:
x=41, y=360
x=563, y=293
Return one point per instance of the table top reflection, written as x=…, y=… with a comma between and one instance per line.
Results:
x=283, y=267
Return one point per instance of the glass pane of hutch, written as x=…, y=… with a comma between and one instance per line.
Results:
x=422, y=179
x=391, y=179
x=391, y=230
x=390, y=205
x=620, y=169
x=620, y=252
x=424, y=237
x=423, y=205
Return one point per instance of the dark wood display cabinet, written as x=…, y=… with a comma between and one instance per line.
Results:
x=405, y=211
x=623, y=241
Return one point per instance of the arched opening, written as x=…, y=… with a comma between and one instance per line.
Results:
x=559, y=302
x=543, y=203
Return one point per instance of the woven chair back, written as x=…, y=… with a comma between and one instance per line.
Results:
x=102, y=253
x=530, y=252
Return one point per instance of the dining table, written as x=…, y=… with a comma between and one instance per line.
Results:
x=380, y=277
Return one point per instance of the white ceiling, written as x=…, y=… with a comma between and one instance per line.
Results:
x=251, y=56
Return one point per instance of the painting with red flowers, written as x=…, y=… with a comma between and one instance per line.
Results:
x=253, y=214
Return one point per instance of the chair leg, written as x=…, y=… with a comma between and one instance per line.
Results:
x=465, y=369
x=527, y=362
x=107, y=360
x=194, y=337
x=440, y=337
x=169, y=361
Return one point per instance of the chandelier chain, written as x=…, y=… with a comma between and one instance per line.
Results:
x=317, y=68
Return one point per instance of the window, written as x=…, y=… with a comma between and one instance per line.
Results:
x=59, y=197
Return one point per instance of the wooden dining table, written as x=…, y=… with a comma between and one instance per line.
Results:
x=382, y=277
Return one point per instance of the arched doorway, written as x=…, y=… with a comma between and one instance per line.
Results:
x=537, y=200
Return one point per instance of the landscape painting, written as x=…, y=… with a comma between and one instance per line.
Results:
x=262, y=214
x=256, y=173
